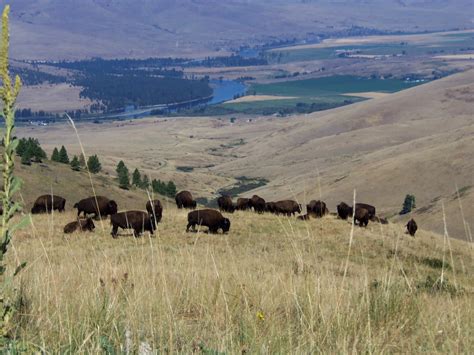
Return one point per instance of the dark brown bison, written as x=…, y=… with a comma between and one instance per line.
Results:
x=287, y=207
x=100, y=206
x=344, y=210
x=361, y=216
x=412, y=227
x=225, y=204
x=48, y=203
x=210, y=218
x=270, y=207
x=243, y=204
x=155, y=209
x=304, y=217
x=82, y=225
x=139, y=221
x=317, y=208
x=369, y=208
x=184, y=199
x=257, y=203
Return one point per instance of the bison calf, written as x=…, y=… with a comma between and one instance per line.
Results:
x=412, y=227
x=362, y=217
x=209, y=218
x=48, y=203
x=83, y=225
x=243, y=204
x=139, y=221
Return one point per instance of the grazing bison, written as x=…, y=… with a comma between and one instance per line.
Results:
x=100, y=206
x=48, y=203
x=344, y=210
x=209, y=218
x=304, y=217
x=139, y=221
x=83, y=224
x=317, y=208
x=257, y=203
x=155, y=209
x=225, y=204
x=243, y=204
x=287, y=207
x=412, y=227
x=369, y=208
x=184, y=199
x=361, y=216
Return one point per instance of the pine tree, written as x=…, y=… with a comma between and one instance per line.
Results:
x=409, y=204
x=63, y=157
x=124, y=178
x=26, y=157
x=136, y=178
x=120, y=167
x=93, y=164
x=171, y=189
x=21, y=147
x=145, y=182
x=75, y=165
x=55, y=155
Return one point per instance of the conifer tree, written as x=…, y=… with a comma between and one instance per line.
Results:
x=145, y=182
x=63, y=157
x=93, y=164
x=409, y=204
x=75, y=165
x=136, y=178
x=82, y=161
x=124, y=178
x=55, y=155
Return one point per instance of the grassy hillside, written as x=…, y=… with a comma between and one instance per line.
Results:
x=273, y=285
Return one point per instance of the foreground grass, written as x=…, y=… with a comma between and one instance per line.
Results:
x=271, y=285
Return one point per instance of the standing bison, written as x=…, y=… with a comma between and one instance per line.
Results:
x=184, y=199
x=270, y=207
x=209, y=218
x=83, y=224
x=362, y=216
x=344, y=210
x=412, y=227
x=243, y=204
x=139, y=221
x=317, y=208
x=225, y=204
x=155, y=209
x=369, y=208
x=48, y=203
x=257, y=203
x=287, y=207
x=100, y=206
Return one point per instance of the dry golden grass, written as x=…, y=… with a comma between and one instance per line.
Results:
x=272, y=285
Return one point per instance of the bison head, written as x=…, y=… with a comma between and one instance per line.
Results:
x=37, y=209
x=193, y=204
x=225, y=225
x=89, y=224
x=112, y=206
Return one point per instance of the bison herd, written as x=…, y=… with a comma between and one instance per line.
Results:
x=98, y=207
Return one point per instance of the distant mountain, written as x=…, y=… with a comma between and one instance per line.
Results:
x=45, y=29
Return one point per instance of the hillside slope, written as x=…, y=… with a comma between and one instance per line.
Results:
x=58, y=29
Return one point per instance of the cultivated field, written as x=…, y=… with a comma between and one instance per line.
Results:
x=271, y=285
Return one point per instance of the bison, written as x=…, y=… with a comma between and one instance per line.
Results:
x=317, y=208
x=155, y=209
x=369, y=208
x=257, y=203
x=48, y=203
x=83, y=224
x=361, y=216
x=304, y=217
x=412, y=227
x=210, y=218
x=100, y=206
x=243, y=204
x=225, y=204
x=184, y=199
x=287, y=207
x=344, y=210
x=139, y=221
x=270, y=207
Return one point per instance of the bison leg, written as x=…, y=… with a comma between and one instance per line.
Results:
x=190, y=225
x=114, y=231
x=136, y=233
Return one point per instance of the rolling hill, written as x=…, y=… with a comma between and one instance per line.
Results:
x=125, y=28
